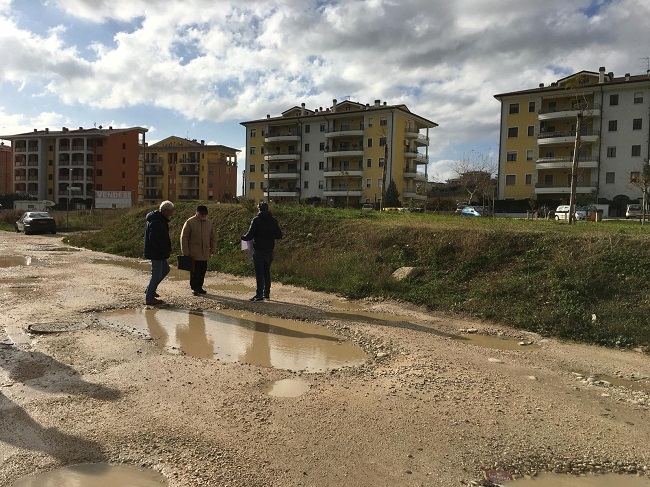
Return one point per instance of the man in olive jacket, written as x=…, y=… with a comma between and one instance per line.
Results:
x=198, y=240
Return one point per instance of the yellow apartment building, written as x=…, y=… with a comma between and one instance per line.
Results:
x=345, y=154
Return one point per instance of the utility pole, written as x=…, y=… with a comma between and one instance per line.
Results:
x=574, y=171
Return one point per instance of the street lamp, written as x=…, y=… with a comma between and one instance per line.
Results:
x=67, y=208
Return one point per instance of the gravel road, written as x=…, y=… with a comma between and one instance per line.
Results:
x=424, y=409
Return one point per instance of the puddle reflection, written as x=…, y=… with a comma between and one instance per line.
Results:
x=236, y=336
x=95, y=475
x=14, y=261
x=287, y=388
x=496, y=342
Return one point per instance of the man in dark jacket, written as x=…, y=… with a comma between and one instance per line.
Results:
x=263, y=231
x=157, y=248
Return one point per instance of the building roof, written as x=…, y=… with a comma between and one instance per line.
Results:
x=336, y=110
x=591, y=78
x=94, y=132
x=174, y=143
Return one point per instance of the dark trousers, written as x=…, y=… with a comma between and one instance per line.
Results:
x=197, y=274
x=262, y=262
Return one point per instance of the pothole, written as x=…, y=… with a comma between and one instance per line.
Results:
x=237, y=336
x=287, y=388
x=55, y=327
x=95, y=475
x=558, y=480
x=14, y=261
x=496, y=342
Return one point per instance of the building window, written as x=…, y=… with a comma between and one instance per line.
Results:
x=306, y=166
x=637, y=124
x=305, y=184
x=369, y=121
x=613, y=125
x=383, y=121
x=611, y=152
x=262, y=149
x=531, y=106
x=514, y=108
x=251, y=151
x=321, y=165
x=609, y=177
x=548, y=180
x=322, y=127
x=529, y=179
x=306, y=147
x=379, y=183
x=368, y=162
x=368, y=183
x=251, y=185
x=382, y=141
x=513, y=132
x=531, y=130
x=321, y=184
x=124, y=160
x=321, y=146
x=613, y=100
x=529, y=155
x=381, y=162
x=636, y=150
x=251, y=168
x=638, y=97
x=253, y=132
x=307, y=129
x=511, y=156
x=261, y=168
x=511, y=179
x=369, y=142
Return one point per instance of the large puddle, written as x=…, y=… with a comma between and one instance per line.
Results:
x=14, y=261
x=237, y=336
x=496, y=342
x=95, y=475
x=557, y=480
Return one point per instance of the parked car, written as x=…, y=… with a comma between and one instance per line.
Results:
x=562, y=213
x=471, y=211
x=36, y=222
x=634, y=211
x=367, y=207
x=459, y=208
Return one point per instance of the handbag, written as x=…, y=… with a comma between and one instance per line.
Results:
x=185, y=262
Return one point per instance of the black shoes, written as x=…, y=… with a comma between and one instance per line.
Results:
x=256, y=298
x=154, y=302
x=199, y=292
x=266, y=296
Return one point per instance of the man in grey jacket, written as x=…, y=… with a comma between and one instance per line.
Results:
x=198, y=241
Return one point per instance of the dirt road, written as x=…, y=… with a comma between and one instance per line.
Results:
x=424, y=409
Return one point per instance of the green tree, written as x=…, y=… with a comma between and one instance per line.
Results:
x=392, y=196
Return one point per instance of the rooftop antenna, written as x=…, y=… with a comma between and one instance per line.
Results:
x=646, y=62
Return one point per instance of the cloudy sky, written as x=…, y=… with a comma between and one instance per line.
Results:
x=197, y=68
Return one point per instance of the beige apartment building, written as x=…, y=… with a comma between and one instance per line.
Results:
x=345, y=154
x=179, y=169
x=538, y=134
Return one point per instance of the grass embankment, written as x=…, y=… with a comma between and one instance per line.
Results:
x=587, y=282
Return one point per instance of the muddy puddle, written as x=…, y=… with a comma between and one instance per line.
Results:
x=15, y=261
x=607, y=380
x=496, y=342
x=237, y=336
x=95, y=475
x=558, y=480
x=286, y=388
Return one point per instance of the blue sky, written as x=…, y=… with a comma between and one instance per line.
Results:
x=198, y=68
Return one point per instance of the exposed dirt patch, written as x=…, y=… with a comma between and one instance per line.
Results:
x=424, y=409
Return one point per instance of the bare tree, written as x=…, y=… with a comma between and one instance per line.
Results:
x=641, y=180
x=476, y=173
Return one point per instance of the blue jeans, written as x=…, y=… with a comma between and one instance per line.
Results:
x=159, y=269
x=262, y=262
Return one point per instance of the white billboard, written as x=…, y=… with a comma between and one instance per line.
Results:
x=113, y=199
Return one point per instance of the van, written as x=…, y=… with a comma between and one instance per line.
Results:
x=633, y=211
x=562, y=213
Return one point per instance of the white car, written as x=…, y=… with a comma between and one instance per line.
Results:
x=562, y=213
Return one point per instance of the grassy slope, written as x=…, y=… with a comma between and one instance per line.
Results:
x=587, y=282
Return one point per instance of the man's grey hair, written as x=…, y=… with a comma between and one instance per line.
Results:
x=166, y=205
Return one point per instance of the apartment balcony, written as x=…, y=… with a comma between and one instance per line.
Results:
x=417, y=156
x=277, y=174
x=588, y=162
x=355, y=152
x=342, y=192
x=417, y=137
x=566, y=137
x=344, y=133
x=153, y=195
x=153, y=172
x=282, y=156
x=582, y=187
x=418, y=176
x=414, y=196
x=344, y=173
x=193, y=172
x=283, y=136
x=558, y=113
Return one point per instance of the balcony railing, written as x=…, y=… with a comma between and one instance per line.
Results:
x=567, y=108
x=566, y=133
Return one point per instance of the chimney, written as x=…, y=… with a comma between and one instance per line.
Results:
x=610, y=75
x=377, y=103
x=35, y=130
x=64, y=129
x=302, y=109
x=648, y=72
x=601, y=75
x=47, y=130
x=627, y=76
x=81, y=128
x=541, y=85
x=268, y=116
x=384, y=103
x=110, y=127
x=202, y=142
x=334, y=105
